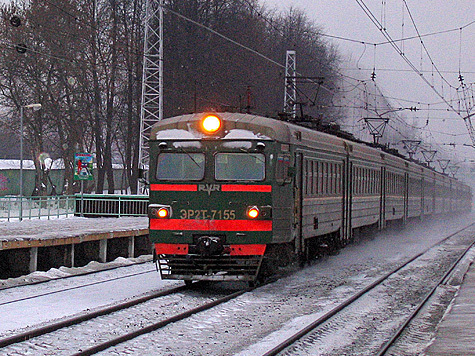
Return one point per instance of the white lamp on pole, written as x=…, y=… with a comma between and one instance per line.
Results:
x=36, y=107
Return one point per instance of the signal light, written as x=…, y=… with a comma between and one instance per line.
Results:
x=211, y=124
x=253, y=212
x=163, y=213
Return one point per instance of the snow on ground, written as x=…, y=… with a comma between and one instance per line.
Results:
x=68, y=227
x=244, y=326
x=250, y=323
x=36, y=304
x=64, y=272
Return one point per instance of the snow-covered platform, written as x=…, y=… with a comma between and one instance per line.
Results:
x=32, y=245
x=456, y=333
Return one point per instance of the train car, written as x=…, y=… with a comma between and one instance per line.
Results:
x=233, y=196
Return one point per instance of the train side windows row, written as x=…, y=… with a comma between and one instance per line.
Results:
x=415, y=187
x=394, y=183
x=322, y=178
x=366, y=181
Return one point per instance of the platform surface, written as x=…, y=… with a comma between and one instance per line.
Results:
x=24, y=233
x=456, y=333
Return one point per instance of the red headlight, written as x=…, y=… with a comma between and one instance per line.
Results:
x=163, y=213
x=252, y=212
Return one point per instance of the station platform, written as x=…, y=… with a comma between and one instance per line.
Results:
x=32, y=245
x=455, y=334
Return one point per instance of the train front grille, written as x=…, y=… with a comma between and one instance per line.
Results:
x=210, y=268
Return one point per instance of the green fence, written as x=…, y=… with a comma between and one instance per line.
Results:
x=17, y=208
x=89, y=205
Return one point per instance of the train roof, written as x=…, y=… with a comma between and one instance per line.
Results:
x=239, y=126
x=186, y=127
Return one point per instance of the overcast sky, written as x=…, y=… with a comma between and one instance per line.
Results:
x=451, y=52
x=345, y=18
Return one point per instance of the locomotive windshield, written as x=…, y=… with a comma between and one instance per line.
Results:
x=180, y=166
x=240, y=166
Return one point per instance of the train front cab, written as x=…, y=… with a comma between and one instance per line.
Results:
x=211, y=207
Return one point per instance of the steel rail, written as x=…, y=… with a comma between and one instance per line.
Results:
x=382, y=351
x=148, y=329
x=81, y=318
x=298, y=335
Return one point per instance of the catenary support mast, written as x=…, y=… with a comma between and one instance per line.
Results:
x=290, y=95
x=152, y=80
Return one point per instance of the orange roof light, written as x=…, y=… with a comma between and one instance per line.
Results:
x=211, y=124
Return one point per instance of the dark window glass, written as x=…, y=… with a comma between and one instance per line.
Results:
x=180, y=166
x=240, y=166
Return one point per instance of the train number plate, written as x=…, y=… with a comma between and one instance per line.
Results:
x=208, y=214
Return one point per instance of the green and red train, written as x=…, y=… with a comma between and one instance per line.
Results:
x=232, y=193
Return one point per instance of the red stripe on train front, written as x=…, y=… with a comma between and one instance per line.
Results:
x=246, y=188
x=210, y=225
x=171, y=249
x=246, y=250
x=174, y=187
x=234, y=250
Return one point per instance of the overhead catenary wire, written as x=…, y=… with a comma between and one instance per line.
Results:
x=256, y=52
x=375, y=21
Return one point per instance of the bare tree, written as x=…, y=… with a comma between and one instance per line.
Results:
x=82, y=59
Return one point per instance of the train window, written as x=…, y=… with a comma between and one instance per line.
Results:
x=338, y=179
x=325, y=178
x=365, y=181
x=282, y=168
x=336, y=175
x=371, y=182
x=390, y=183
x=240, y=166
x=312, y=178
x=316, y=171
x=321, y=175
x=307, y=167
x=332, y=179
x=358, y=181
x=180, y=166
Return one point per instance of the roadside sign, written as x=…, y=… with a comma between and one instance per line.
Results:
x=83, y=166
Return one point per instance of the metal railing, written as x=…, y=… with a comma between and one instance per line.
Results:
x=111, y=205
x=17, y=208
x=89, y=205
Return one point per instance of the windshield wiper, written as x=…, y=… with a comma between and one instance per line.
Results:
x=255, y=155
x=190, y=156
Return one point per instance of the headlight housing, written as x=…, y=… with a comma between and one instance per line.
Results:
x=156, y=211
x=252, y=212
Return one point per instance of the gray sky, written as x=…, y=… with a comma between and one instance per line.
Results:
x=345, y=18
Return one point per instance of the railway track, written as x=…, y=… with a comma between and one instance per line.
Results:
x=101, y=332
x=300, y=342
x=129, y=320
